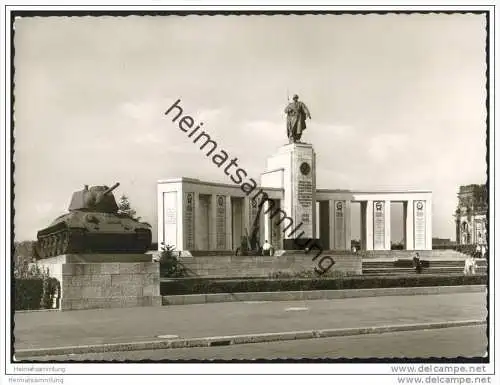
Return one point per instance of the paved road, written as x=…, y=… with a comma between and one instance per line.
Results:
x=450, y=342
x=86, y=327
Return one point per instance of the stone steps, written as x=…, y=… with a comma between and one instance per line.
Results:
x=441, y=263
x=409, y=254
x=410, y=271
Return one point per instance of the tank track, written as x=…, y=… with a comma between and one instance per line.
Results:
x=62, y=240
x=58, y=240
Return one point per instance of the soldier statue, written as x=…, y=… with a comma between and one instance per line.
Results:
x=296, y=112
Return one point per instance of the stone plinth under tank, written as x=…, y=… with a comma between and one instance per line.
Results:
x=92, y=281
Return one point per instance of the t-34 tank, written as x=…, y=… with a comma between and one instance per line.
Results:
x=93, y=225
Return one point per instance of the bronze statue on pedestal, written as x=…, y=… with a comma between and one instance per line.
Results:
x=296, y=112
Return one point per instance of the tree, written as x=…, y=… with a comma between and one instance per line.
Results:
x=170, y=266
x=124, y=208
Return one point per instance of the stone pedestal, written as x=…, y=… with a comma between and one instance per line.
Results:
x=90, y=281
x=293, y=168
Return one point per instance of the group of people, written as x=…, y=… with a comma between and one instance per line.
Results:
x=480, y=251
x=470, y=264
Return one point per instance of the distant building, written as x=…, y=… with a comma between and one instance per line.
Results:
x=471, y=215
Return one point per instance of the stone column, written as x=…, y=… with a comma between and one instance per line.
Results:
x=229, y=224
x=428, y=224
x=189, y=220
x=408, y=214
x=197, y=216
x=212, y=220
x=276, y=228
x=160, y=233
x=387, y=227
x=363, y=225
x=331, y=221
x=340, y=225
x=420, y=225
x=246, y=216
x=348, y=225
x=369, y=225
x=266, y=214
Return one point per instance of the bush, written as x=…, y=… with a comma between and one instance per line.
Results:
x=170, y=266
x=241, y=285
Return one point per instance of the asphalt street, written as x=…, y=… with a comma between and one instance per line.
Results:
x=102, y=326
x=450, y=342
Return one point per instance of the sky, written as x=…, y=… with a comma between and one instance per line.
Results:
x=397, y=102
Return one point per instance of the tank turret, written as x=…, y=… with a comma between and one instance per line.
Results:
x=97, y=198
x=93, y=225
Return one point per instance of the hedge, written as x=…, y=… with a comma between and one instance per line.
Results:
x=35, y=293
x=28, y=293
x=206, y=285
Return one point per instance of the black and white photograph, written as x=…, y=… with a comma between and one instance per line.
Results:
x=249, y=190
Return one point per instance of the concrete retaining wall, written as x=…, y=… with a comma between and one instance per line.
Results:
x=263, y=266
x=190, y=299
x=105, y=285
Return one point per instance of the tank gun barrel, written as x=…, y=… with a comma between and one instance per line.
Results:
x=109, y=190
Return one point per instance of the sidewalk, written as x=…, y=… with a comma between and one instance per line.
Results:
x=102, y=326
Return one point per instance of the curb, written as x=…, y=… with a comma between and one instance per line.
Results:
x=238, y=339
x=36, y=311
x=191, y=299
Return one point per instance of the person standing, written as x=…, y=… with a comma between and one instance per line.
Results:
x=417, y=263
x=266, y=247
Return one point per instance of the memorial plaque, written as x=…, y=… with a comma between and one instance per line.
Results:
x=305, y=193
x=302, y=192
x=339, y=225
x=170, y=218
x=419, y=224
x=189, y=220
x=220, y=222
x=378, y=225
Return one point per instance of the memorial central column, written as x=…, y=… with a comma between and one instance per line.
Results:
x=296, y=163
